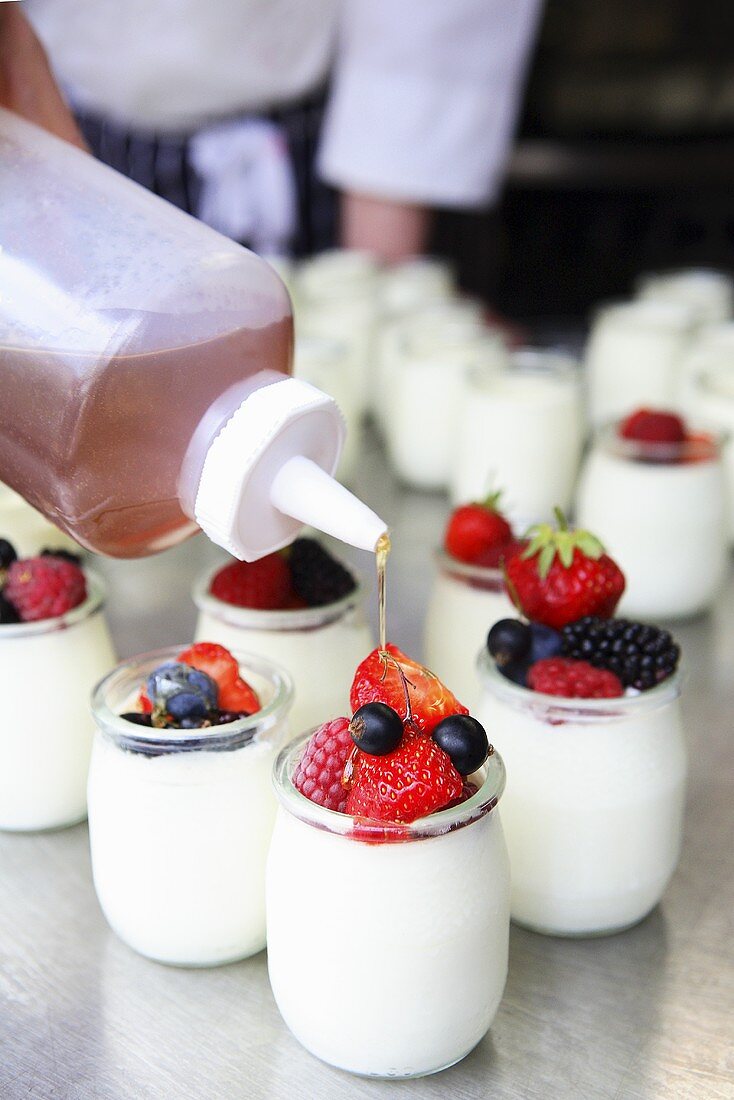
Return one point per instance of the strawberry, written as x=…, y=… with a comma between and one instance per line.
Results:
x=478, y=534
x=414, y=780
x=264, y=584
x=573, y=679
x=238, y=696
x=235, y=694
x=319, y=772
x=409, y=688
x=653, y=426
x=563, y=575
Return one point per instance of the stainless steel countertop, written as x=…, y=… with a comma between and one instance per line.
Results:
x=649, y=1013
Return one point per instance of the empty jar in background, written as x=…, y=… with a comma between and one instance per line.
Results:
x=708, y=293
x=521, y=430
x=325, y=363
x=634, y=357
x=660, y=510
x=432, y=364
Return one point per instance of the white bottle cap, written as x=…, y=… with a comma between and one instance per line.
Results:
x=269, y=471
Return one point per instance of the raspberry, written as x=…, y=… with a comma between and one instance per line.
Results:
x=264, y=584
x=318, y=578
x=573, y=679
x=318, y=774
x=43, y=588
x=653, y=426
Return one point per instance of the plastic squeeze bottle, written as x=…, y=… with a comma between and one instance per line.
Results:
x=144, y=367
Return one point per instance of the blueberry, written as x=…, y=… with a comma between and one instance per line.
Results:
x=517, y=671
x=464, y=740
x=376, y=728
x=191, y=722
x=7, y=554
x=508, y=640
x=187, y=705
x=8, y=614
x=173, y=678
x=545, y=642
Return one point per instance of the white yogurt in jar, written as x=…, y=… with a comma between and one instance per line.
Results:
x=27, y=529
x=427, y=383
x=634, y=357
x=180, y=821
x=319, y=647
x=465, y=601
x=522, y=431
x=593, y=809
x=326, y=364
x=49, y=670
x=388, y=959
x=664, y=523
x=711, y=399
x=708, y=293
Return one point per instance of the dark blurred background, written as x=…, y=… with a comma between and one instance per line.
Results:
x=624, y=161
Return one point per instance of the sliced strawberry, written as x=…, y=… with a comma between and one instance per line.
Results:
x=563, y=575
x=653, y=426
x=144, y=702
x=213, y=659
x=239, y=696
x=477, y=533
x=391, y=677
x=414, y=780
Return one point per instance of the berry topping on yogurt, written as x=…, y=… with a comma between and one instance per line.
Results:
x=664, y=437
x=562, y=575
x=200, y=689
x=573, y=679
x=403, y=755
x=478, y=534
x=38, y=588
x=303, y=575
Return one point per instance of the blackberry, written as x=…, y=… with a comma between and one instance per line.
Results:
x=318, y=578
x=65, y=555
x=8, y=614
x=7, y=554
x=640, y=655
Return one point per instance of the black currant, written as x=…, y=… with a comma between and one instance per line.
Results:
x=464, y=740
x=376, y=728
x=7, y=554
x=508, y=640
x=8, y=614
x=517, y=671
x=137, y=718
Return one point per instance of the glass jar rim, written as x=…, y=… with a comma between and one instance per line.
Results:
x=647, y=313
x=482, y=802
x=486, y=575
x=251, y=618
x=664, y=455
x=555, y=708
x=94, y=602
x=139, y=738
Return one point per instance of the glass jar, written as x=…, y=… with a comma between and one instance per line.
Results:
x=634, y=357
x=27, y=529
x=465, y=601
x=180, y=820
x=709, y=293
x=49, y=669
x=522, y=431
x=431, y=365
x=593, y=809
x=711, y=398
x=660, y=511
x=320, y=647
x=387, y=944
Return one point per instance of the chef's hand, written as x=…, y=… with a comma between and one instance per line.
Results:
x=27, y=85
x=392, y=231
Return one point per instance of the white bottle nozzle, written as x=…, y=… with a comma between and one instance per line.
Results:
x=303, y=490
x=269, y=471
